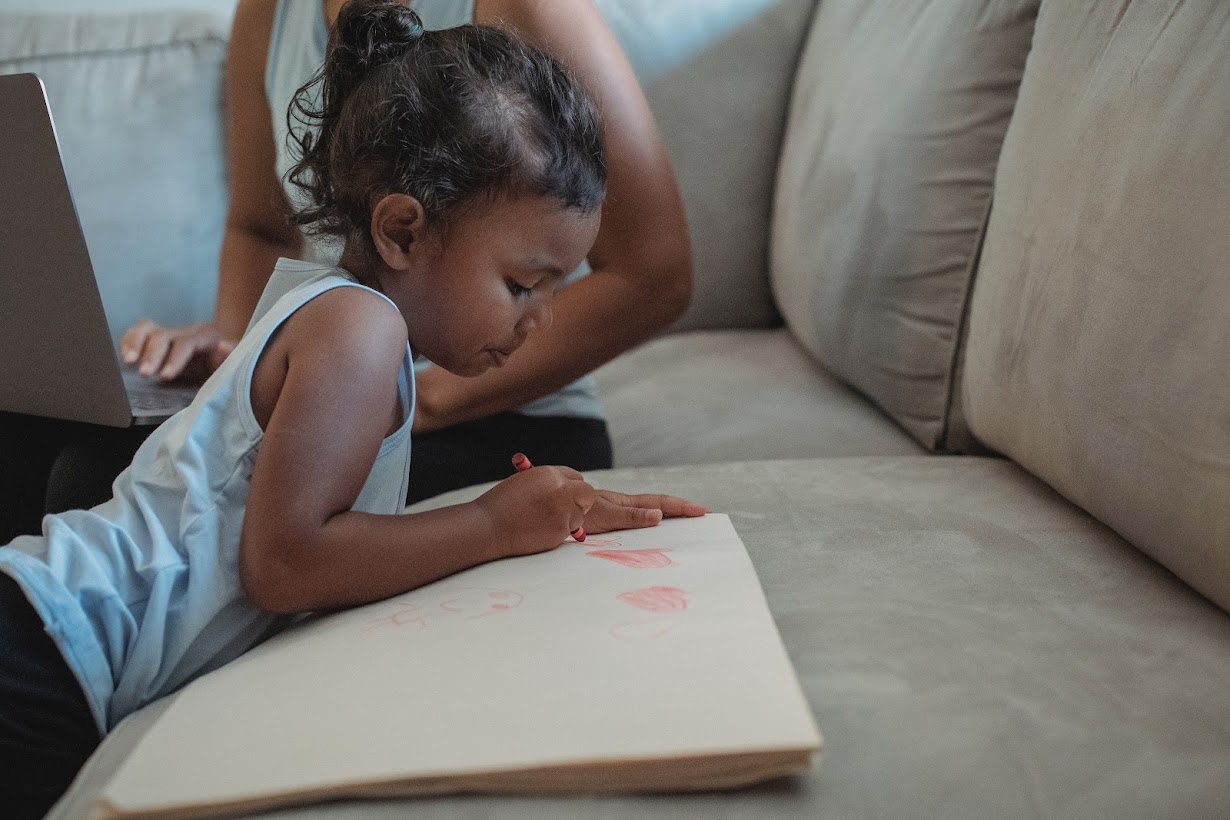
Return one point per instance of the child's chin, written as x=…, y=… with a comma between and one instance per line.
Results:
x=470, y=369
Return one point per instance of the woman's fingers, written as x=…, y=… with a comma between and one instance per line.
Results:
x=133, y=341
x=169, y=351
x=154, y=352
x=183, y=349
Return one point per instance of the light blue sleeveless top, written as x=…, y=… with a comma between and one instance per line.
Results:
x=142, y=593
x=297, y=48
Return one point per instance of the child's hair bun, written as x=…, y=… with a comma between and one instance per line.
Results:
x=370, y=33
x=444, y=117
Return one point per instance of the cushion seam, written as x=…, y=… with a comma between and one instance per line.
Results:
x=121, y=51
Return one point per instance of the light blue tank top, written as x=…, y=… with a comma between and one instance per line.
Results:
x=297, y=48
x=142, y=593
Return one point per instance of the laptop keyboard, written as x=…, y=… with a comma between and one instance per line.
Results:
x=154, y=399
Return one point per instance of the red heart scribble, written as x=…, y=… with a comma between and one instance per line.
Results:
x=656, y=599
x=640, y=559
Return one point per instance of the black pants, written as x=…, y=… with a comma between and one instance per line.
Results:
x=482, y=450
x=48, y=466
x=46, y=729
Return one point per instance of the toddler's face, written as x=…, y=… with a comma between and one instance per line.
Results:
x=491, y=279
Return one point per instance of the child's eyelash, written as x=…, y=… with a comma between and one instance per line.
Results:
x=519, y=290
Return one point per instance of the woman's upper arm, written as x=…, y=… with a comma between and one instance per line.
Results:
x=257, y=202
x=644, y=228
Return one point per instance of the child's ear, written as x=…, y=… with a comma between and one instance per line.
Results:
x=397, y=221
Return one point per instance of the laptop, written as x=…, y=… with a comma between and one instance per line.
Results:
x=56, y=355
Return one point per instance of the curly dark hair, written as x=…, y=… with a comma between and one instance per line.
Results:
x=447, y=117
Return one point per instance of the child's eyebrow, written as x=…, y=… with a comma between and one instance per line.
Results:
x=550, y=270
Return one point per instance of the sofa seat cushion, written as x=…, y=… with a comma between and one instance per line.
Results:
x=972, y=645
x=137, y=101
x=706, y=396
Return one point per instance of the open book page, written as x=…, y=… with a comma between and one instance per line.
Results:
x=636, y=661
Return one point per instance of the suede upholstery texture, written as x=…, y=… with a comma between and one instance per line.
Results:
x=151, y=209
x=885, y=178
x=977, y=637
x=722, y=136
x=756, y=394
x=1100, y=325
x=972, y=645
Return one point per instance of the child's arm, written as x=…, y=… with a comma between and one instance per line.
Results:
x=325, y=391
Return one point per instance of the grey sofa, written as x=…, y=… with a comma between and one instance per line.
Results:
x=955, y=368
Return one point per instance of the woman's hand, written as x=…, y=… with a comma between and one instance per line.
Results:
x=535, y=510
x=618, y=511
x=192, y=352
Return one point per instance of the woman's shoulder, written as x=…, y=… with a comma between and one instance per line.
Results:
x=538, y=21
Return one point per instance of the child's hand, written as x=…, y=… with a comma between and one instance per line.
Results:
x=535, y=510
x=618, y=511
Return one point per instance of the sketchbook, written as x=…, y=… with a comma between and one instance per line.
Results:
x=634, y=662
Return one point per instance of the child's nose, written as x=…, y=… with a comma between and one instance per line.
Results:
x=538, y=317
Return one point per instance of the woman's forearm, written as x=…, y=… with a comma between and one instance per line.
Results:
x=593, y=320
x=245, y=265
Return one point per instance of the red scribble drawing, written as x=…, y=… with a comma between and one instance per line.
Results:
x=638, y=559
x=600, y=541
x=642, y=630
x=406, y=614
x=468, y=604
x=478, y=602
x=656, y=599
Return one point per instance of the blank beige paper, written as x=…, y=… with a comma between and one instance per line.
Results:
x=637, y=661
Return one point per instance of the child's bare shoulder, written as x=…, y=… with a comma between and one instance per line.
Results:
x=347, y=342
x=350, y=318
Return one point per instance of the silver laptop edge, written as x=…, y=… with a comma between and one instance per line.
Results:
x=58, y=358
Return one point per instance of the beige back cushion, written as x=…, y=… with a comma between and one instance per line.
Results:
x=717, y=76
x=137, y=101
x=1099, y=343
x=897, y=117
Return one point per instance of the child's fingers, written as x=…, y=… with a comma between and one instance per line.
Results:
x=569, y=472
x=633, y=518
x=609, y=514
x=670, y=506
x=585, y=497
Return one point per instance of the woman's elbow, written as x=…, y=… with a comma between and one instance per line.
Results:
x=675, y=289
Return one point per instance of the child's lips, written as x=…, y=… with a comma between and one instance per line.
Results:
x=499, y=355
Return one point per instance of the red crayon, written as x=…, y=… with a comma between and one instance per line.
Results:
x=522, y=463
